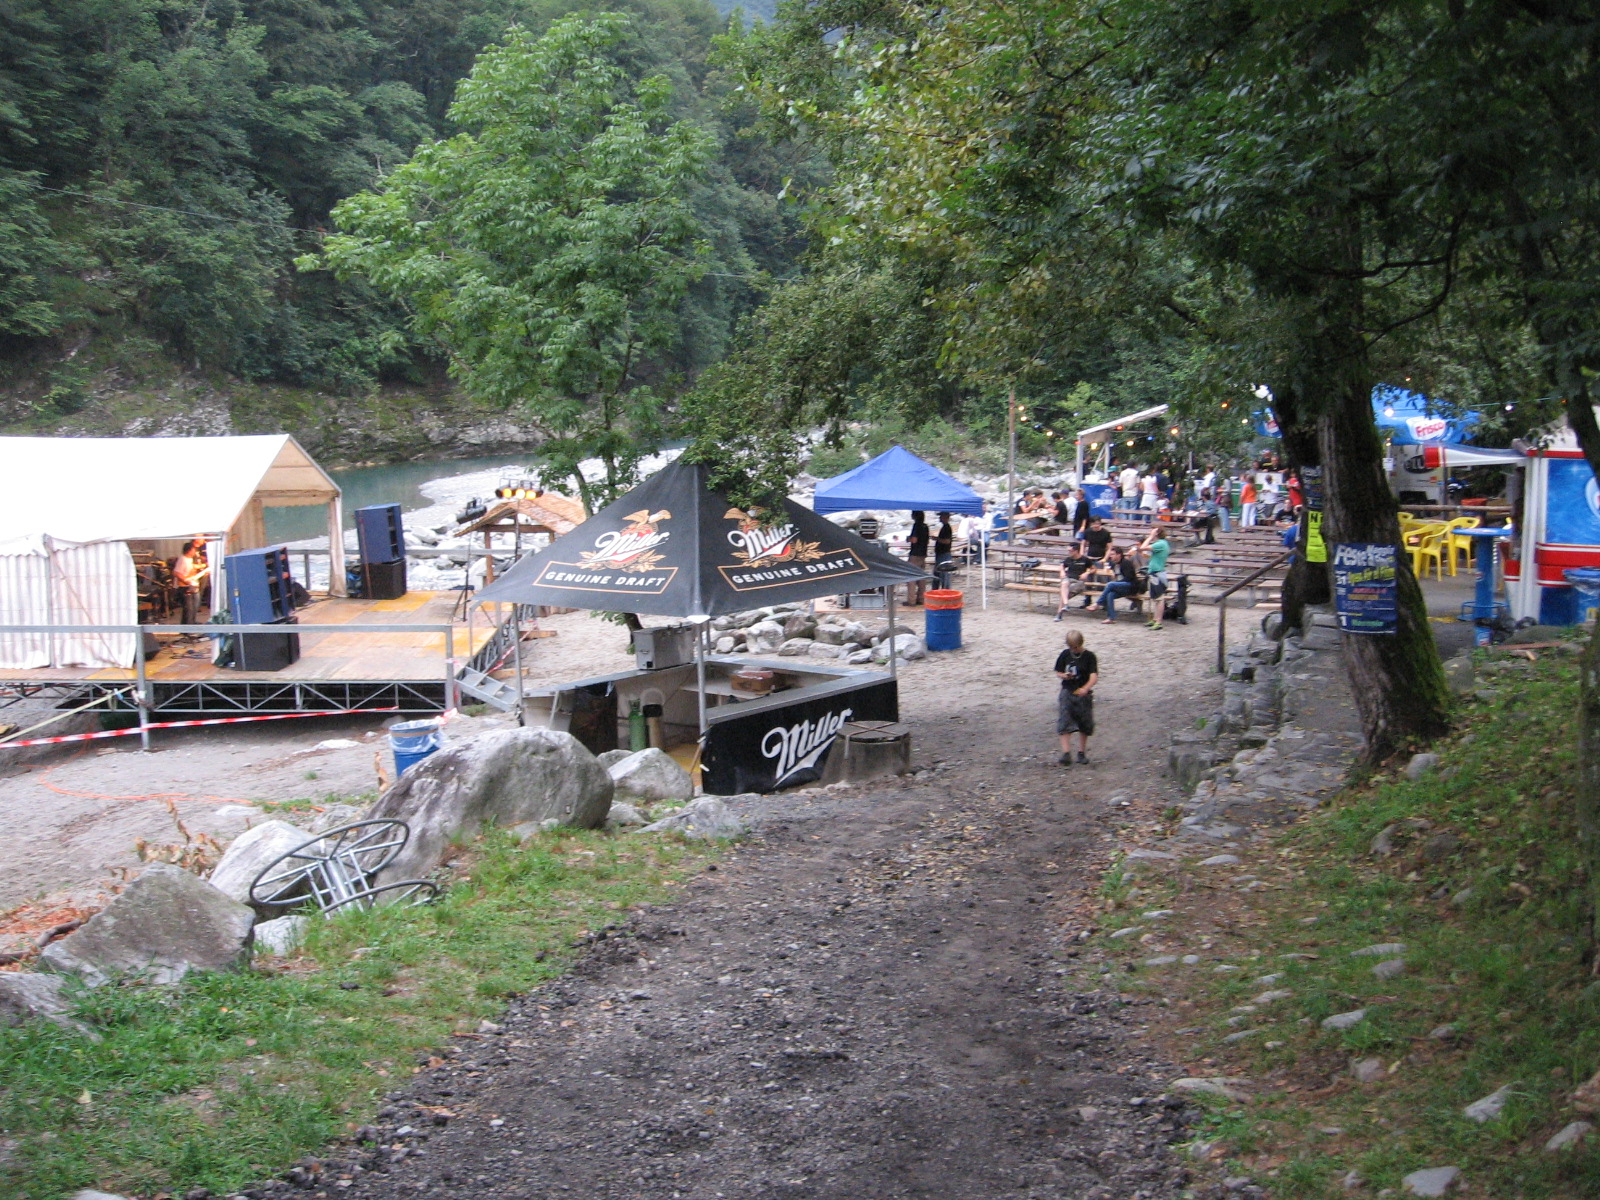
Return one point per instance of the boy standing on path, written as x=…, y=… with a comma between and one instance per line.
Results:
x=1078, y=669
x=1156, y=549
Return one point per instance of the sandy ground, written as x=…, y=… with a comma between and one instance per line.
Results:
x=73, y=820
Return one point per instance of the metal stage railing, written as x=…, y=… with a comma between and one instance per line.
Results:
x=222, y=696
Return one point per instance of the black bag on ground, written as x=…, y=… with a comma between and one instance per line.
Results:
x=1177, y=608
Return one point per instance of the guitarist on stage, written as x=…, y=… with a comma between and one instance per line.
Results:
x=189, y=571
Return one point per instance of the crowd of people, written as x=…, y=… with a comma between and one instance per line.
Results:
x=1265, y=494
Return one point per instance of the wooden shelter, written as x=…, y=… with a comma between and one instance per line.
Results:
x=543, y=512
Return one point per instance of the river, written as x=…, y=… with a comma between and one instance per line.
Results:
x=397, y=482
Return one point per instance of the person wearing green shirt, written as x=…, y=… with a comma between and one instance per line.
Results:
x=1156, y=550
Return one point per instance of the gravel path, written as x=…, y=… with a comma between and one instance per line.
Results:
x=877, y=996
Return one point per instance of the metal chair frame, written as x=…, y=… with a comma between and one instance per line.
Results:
x=336, y=870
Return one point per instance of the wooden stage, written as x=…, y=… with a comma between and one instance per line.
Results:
x=335, y=669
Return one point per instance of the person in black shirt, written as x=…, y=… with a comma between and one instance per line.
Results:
x=1073, y=570
x=1078, y=670
x=1096, y=539
x=1125, y=581
x=918, y=555
x=944, y=550
x=1080, y=515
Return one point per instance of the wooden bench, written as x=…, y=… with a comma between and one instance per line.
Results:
x=1092, y=589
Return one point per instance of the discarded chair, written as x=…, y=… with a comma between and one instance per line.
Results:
x=336, y=869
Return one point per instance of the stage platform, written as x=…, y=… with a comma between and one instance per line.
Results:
x=405, y=670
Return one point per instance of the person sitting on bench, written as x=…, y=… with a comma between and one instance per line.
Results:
x=1125, y=581
x=1073, y=569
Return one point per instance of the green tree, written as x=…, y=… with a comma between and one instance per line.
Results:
x=549, y=247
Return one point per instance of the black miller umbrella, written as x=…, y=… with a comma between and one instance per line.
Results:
x=672, y=547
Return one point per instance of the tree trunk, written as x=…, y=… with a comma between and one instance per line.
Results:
x=1307, y=582
x=1397, y=679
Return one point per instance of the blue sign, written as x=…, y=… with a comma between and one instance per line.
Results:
x=1365, y=592
x=1102, y=499
x=1572, y=513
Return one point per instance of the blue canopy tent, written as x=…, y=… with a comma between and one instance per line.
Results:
x=1405, y=417
x=899, y=479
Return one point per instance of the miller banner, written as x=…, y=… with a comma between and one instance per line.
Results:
x=782, y=746
x=672, y=547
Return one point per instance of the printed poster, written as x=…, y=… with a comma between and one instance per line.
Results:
x=1365, y=588
x=1316, y=548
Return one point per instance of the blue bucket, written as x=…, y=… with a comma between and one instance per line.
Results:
x=413, y=741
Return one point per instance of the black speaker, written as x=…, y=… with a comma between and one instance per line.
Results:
x=379, y=533
x=266, y=651
x=384, y=580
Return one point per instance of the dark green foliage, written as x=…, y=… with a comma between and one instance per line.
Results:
x=162, y=163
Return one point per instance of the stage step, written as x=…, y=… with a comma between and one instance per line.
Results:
x=496, y=693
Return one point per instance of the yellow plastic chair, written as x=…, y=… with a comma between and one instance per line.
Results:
x=1459, y=544
x=1431, y=548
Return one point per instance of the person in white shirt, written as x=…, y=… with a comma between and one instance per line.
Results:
x=1129, y=479
x=1149, y=493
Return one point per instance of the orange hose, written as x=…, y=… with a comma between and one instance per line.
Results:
x=164, y=797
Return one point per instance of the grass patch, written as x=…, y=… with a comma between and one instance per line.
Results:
x=233, y=1076
x=1483, y=888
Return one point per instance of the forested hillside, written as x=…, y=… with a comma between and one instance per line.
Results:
x=164, y=162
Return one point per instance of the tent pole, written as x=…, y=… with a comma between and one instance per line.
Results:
x=142, y=696
x=336, y=568
x=700, y=631
x=983, y=567
x=894, y=670
x=1011, y=465
x=50, y=595
x=516, y=653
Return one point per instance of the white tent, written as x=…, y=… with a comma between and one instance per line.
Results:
x=68, y=506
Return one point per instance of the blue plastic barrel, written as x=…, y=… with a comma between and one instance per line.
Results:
x=942, y=630
x=413, y=741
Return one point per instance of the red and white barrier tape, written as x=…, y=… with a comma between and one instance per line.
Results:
x=111, y=733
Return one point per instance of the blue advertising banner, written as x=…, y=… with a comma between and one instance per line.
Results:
x=1365, y=593
x=1572, y=514
x=1102, y=499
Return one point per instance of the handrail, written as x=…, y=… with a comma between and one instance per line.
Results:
x=1222, y=607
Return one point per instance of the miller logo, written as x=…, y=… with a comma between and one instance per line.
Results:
x=632, y=548
x=798, y=747
x=762, y=545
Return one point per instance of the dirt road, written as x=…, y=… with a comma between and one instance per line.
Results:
x=878, y=996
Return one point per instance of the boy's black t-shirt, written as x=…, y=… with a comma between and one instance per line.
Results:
x=1075, y=567
x=1078, y=669
x=1095, y=542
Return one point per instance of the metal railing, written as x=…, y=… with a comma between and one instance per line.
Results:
x=142, y=682
x=1222, y=607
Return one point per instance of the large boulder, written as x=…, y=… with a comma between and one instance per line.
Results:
x=252, y=852
x=518, y=778
x=707, y=817
x=795, y=647
x=165, y=925
x=800, y=625
x=26, y=996
x=836, y=631
x=763, y=637
x=908, y=646
x=649, y=777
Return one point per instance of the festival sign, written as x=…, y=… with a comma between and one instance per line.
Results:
x=1365, y=587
